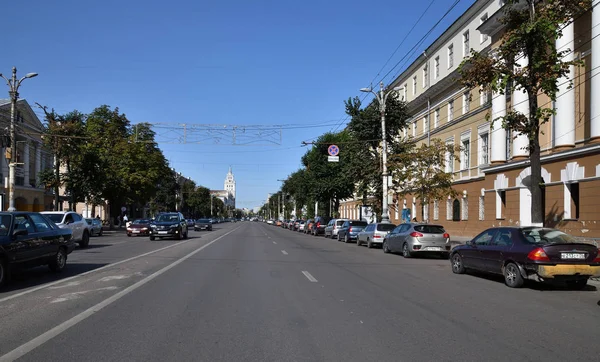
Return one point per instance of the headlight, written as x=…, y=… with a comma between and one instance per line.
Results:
x=153, y=226
x=129, y=229
x=174, y=225
x=144, y=229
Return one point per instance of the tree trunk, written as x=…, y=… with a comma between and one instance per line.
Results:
x=70, y=188
x=111, y=224
x=57, y=185
x=537, y=212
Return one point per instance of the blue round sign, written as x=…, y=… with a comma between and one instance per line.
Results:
x=333, y=150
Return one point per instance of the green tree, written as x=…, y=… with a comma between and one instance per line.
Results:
x=529, y=31
x=419, y=170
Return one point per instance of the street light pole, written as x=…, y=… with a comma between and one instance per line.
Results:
x=382, y=99
x=13, y=92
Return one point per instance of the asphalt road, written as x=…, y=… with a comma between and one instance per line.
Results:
x=253, y=292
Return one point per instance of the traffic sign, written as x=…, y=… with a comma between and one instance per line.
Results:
x=333, y=150
x=333, y=158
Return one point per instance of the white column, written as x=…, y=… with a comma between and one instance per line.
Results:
x=563, y=130
x=38, y=159
x=26, y=162
x=595, y=76
x=498, y=133
x=521, y=105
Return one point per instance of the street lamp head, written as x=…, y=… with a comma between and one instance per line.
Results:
x=31, y=75
x=366, y=90
x=397, y=88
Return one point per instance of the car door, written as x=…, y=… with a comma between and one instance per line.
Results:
x=364, y=234
x=69, y=221
x=493, y=254
x=80, y=224
x=394, y=236
x=48, y=239
x=400, y=237
x=472, y=253
x=26, y=246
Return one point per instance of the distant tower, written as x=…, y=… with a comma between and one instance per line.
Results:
x=230, y=188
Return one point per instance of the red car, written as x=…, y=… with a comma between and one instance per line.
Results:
x=534, y=253
x=139, y=227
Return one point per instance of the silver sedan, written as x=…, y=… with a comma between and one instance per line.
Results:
x=414, y=238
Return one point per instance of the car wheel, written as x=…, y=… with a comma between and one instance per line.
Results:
x=577, y=284
x=152, y=238
x=405, y=252
x=457, y=264
x=85, y=240
x=128, y=234
x=385, y=248
x=100, y=233
x=59, y=261
x=358, y=242
x=512, y=276
x=369, y=244
x=4, y=271
x=346, y=239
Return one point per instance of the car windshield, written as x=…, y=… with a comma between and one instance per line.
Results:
x=56, y=218
x=141, y=221
x=5, y=221
x=167, y=218
x=385, y=227
x=430, y=229
x=203, y=221
x=89, y=221
x=541, y=236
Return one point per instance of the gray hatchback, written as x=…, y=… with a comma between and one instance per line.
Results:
x=414, y=238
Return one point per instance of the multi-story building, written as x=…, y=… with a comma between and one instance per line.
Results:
x=492, y=172
x=227, y=195
x=32, y=159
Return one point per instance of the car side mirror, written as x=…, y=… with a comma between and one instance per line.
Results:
x=20, y=232
x=469, y=242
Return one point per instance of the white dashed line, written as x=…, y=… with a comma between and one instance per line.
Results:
x=274, y=242
x=284, y=252
x=309, y=276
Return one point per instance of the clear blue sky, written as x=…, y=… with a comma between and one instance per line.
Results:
x=221, y=62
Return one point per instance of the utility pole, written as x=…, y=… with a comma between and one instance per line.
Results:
x=382, y=99
x=13, y=92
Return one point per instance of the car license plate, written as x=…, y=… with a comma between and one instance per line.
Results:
x=572, y=256
x=163, y=232
x=434, y=248
x=136, y=231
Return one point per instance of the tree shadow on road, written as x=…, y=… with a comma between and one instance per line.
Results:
x=533, y=285
x=27, y=278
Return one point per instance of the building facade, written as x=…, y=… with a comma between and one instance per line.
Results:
x=32, y=159
x=492, y=172
x=227, y=195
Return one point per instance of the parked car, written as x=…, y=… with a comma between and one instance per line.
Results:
x=318, y=227
x=203, y=224
x=528, y=253
x=139, y=227
x=94, y=226
x=374, y=234
x=308, y=225
x=301, y=225
x=416, y=238
x=350, y=229
x=29, y=239
x=331, y=230
x=190, y=223
x=169, y=224
x=73, y=221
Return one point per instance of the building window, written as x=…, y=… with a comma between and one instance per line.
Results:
x=426, y=124
x=405, y=91
x=436, y=118
x=484, y=146
x=449, y=158
x=483, y=96
x=465, y=153
x=415, y=129
x=466, y=47
x=425, y=210
x=500, y=203
x=508, y=144
x=482, y=20
x=571, y=201
x=465, y=208
x=449, y=209
x=450, y=111
x=425, y=77
x=481, y=208
x=436, y=210
x=466, y=100
x=436, y=62
x=414, y=85
x=455, y=210
x=450, y=56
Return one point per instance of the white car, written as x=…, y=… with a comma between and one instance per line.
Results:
x=73, y=221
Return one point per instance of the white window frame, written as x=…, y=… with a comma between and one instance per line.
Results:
x=436, y=66
x=414, y=85
x=450, y=56
x=425, y=124
x=450, y=110
x=483, y=149
x=436, y=210
x=464, y=208
x=483, y=96
x=436, y=118
x=466, y=45
x=481, y=208
x=483, y=37
x=449, y=209
x=414, y=129
x=466, y=102
x=425, y=76
x=405, y=91
x=465, y=152
x=449, y=157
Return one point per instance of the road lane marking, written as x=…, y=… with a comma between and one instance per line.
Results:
x=45, y=337
x=284, y=252
x=309, y=276
x=90, y=271
x=274, y=242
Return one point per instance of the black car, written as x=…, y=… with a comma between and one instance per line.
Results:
x=521, y=253
x=318, y=227
x=169, y=225
x=29, y=239
x=202, y=224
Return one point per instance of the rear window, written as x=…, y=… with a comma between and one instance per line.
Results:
x=430, y=229
x=540, y=236
x=358, y=223
x=385, y=227
x=57, y=218
x=340, y=222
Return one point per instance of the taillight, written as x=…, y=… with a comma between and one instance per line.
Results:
x=538, y=255
x=376, y=236
x=446, y=236
x=416, y=235
x=350, y=229
x=597, y=260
